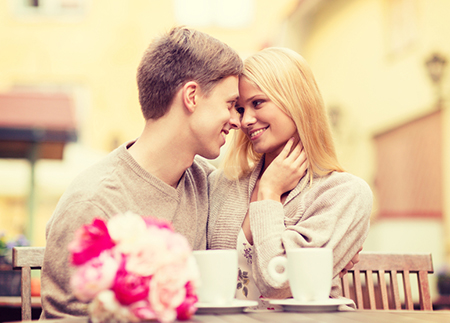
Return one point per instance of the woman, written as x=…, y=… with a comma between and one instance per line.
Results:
x=262, y=203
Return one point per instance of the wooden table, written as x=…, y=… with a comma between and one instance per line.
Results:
x=363, y=316
x=15, y=301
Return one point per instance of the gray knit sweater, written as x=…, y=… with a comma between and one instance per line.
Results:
x=333, y=212
x=115, y=185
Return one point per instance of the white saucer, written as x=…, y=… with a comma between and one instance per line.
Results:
x=236, y=306
x=329, y=305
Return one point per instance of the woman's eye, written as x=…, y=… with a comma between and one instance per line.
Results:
x=240, y=110
x=257, y=102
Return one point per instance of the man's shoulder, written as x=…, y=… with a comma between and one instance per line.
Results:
x=96, y=172
x=91, y=179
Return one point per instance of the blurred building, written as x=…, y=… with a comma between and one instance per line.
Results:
x=388, y=107
x=89, y=50
x=381, y=66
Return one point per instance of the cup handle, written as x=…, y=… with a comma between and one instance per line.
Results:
x=271, y=268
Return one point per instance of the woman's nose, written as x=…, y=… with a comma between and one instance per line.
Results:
x=248, y=118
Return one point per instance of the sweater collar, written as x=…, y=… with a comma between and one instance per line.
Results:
x=153, y=180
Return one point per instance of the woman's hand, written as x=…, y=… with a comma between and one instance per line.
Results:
x=284, y=173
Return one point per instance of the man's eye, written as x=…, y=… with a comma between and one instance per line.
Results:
x=230, y=105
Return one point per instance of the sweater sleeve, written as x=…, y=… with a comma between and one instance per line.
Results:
x=57, y=298
x=333, y=213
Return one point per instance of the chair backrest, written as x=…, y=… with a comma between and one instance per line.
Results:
x=379, y=264
x=26, y=259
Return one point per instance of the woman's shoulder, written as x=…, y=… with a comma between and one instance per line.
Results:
x=343, y=181
x=344, y=177
x=339, y=188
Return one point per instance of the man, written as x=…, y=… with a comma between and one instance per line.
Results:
x=188, y=85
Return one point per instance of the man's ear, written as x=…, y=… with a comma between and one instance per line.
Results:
x=190, y=95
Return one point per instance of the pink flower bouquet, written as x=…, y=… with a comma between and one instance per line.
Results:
x=133, y=269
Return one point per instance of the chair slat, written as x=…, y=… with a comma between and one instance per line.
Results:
x=370, y=290
x=407, y=288
x=395, y=290
x=26, y=293
x=383, y=290
x=424, y=291
x=345, y=286
x=358, y=289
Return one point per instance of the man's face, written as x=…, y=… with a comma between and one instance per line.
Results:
x=215, y=115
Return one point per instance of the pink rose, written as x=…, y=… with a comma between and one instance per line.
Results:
x=129, y=287
x=160, y=223
x=90, y=240
x=94, y=276
x=187, y=308
x=143, y=310
x=149, y=252
x=166, y=292
x=179, y=247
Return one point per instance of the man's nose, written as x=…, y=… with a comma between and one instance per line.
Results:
x=235, y=119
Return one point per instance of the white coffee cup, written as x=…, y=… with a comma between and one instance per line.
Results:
x=218, y=275
x=309, y=271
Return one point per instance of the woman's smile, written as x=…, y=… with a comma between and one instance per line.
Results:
x=255, y=134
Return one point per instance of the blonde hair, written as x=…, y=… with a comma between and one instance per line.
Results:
x=286, y=78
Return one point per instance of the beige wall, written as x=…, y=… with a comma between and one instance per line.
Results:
x=93, y=56
x=369, y=61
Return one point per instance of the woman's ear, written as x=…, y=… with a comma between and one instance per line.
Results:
x=190, y=95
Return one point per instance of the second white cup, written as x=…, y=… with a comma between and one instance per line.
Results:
x=309, y=271
x=218, y=275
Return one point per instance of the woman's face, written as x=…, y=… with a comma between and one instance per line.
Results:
x=266, y=125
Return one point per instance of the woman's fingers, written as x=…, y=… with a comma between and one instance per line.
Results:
x=295, y=153
x=287, y=148
x=300, y=161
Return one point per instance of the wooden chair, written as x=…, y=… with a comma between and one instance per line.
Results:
x=26, y=259
x=389, y=263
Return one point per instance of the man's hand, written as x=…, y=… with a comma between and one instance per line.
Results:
x=350, y=265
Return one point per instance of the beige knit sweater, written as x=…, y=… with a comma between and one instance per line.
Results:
x=115, y=185
x=334, y=212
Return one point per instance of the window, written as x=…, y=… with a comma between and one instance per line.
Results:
x=402, y=24
x=409, y=169
x=221, y=13
x=48, y=8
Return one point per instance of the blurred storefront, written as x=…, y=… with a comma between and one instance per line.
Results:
x=381, y=66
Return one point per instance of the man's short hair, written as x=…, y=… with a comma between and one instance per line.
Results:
x=177, y=57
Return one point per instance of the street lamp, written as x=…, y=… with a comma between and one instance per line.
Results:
x=435, y=65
